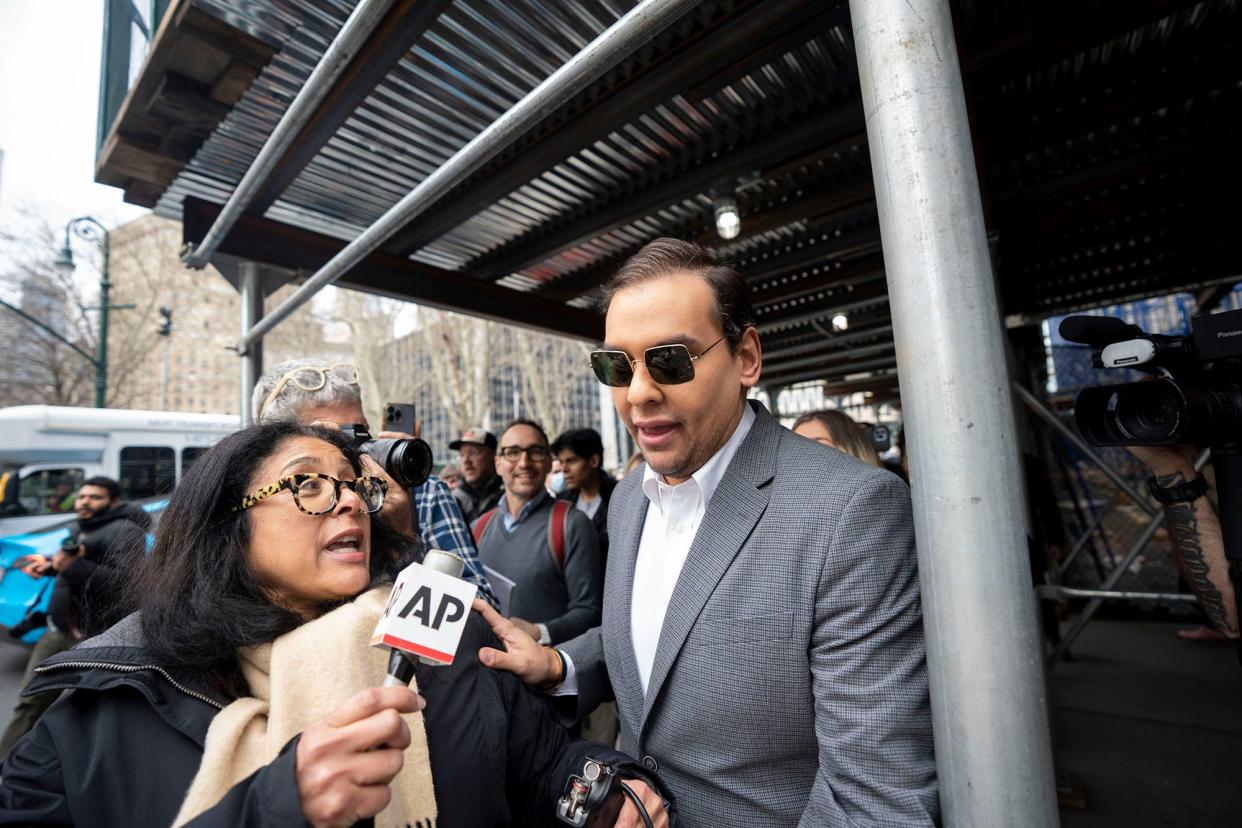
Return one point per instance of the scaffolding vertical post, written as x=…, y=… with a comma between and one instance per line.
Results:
x=250, y=285
x=993, y=744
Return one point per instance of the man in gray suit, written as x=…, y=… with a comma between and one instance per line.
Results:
x=761, y=629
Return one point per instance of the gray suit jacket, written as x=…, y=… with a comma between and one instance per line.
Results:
x=790, y=683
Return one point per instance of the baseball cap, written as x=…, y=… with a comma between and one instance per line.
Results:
x=476, y=435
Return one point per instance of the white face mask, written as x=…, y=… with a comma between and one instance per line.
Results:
x=558, y=482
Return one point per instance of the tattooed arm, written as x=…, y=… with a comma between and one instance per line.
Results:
x=1194, y=529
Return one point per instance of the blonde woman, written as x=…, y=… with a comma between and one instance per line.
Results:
x=837, y=429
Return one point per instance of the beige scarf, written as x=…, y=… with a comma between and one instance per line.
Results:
x=297, y=680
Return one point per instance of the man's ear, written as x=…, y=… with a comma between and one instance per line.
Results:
x=595, y=461
x=750, y=355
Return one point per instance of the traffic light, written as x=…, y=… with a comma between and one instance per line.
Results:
x=165, y=327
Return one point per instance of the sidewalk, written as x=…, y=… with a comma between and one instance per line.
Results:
x=1152, y=727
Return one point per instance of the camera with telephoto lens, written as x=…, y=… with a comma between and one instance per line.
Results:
x=407, y=460
x=1196, y=398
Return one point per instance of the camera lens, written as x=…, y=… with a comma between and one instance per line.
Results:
x=406, y=461
x=1151, y=412
x=413, y=458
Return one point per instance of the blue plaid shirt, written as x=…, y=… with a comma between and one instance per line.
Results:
x=443, y=527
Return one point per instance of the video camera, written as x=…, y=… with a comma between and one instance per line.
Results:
x=1195, y=400
x=407, y=461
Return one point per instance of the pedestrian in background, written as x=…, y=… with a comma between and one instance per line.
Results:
x=838, y=430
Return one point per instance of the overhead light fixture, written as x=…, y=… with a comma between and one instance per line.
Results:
x=840, y=322
x=728, y=219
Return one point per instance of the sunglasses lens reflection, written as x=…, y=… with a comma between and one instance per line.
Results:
x=670, y=364
x=611, y=368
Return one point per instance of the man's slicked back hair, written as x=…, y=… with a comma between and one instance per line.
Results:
x=663, y=257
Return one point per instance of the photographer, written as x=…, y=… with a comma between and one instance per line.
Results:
x=1194, y=528
x=313, y=390
x=86, y=583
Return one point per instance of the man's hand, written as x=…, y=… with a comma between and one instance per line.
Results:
x=652, y=801
x=63, y=560
x=526, y=627
x=345, y=762
x=522, y=656
x=396, y=511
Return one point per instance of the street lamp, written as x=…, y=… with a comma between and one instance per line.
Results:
x=89, y=229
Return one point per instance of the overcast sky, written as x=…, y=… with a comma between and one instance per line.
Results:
x=49, y=94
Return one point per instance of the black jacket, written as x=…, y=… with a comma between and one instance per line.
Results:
x=474, y=503
x=606, y=484
x=121, y=748
x=85, y=591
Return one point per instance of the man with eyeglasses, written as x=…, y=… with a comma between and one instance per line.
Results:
x=311, y=390
x=548, y=551
x=762, y=629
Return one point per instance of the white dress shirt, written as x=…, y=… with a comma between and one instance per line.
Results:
x=673, y=517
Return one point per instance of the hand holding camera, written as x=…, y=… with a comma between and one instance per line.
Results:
x=71, y=549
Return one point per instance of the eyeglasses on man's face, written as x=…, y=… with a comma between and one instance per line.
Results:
x=536, y=453
x=318, y=494
x=310, y=379
x=667, y=364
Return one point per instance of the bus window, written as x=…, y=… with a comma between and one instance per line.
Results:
x=147, y=471
x=49, y=491
x=189, y=454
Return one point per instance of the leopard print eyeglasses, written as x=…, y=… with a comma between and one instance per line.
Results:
x=317, y=494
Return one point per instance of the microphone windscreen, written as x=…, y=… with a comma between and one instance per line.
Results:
x=1097, y=330
x=445, y=562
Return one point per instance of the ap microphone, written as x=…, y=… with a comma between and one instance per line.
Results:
x=425, y=615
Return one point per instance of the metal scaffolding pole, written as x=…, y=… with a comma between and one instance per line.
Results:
x=642, y=23
x=993, y=748
x=1056, y=593
x=250, y=285
x=336, y=59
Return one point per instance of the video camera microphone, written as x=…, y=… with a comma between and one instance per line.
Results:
x=425, y=615
x=1097, y=330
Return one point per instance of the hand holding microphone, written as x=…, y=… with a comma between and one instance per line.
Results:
x=345, y=762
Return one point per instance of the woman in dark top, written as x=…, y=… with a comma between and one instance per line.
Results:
x=272, y=530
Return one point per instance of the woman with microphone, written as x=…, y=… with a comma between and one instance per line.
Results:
x=243, y=691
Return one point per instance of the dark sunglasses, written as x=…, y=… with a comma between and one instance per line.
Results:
x=667, y=364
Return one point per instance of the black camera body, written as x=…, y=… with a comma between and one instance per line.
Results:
x=1195, y=400
x=407, y=461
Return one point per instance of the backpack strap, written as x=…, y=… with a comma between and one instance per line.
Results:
x=480, y=525
x=556, y=531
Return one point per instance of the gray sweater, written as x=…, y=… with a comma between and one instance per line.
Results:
x=568, y=601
